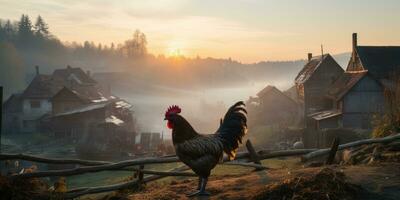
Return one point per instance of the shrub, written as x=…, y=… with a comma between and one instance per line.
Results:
x=389, y=122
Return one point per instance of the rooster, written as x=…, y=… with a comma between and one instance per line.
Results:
x=202, y=152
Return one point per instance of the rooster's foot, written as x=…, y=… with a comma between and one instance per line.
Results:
x=198, y=193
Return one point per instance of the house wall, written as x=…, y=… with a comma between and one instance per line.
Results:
x=65, y=101
x=360, y=104
x=277, y=108
x=78, y=125
x=318, y=84
x=332, y=122
x=31, y=114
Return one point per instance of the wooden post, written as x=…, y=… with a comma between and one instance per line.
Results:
x=253, y=154
x=1, y=113
x=141, y=174
x=332, y=153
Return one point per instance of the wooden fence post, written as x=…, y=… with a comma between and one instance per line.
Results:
x=140, y=174
x=253, y=154
x=332, y=153
x=1, y=113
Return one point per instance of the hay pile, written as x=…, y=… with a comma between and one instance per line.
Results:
x=21, y=189
x=368, y=154
x=326, y=184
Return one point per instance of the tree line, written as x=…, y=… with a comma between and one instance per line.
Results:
x=24, y=33
x=25, y=43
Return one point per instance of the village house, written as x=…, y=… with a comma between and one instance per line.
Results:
x=314, y=80
x=273, y=107
x=68, y=103
x=358, y=95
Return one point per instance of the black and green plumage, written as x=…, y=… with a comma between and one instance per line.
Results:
x=202, y=152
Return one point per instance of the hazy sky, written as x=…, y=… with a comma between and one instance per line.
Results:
x=246, y=30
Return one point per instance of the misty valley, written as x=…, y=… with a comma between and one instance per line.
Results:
x=93, y=111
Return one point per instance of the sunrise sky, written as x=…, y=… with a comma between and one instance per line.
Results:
x=245, y=30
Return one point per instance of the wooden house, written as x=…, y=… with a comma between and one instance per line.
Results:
x=314, y=80
x=273, y=107
x=35, y=102
x=47, y=95
x=96, y=119
x=358, y=95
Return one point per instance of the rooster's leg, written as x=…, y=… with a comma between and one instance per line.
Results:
x=202, y=188
x=199, y=184
x=202, y=191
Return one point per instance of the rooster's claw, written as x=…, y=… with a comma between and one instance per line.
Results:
x=198, y=193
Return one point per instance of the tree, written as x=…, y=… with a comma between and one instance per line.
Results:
x=25, y=33
x=11, y=67
x=7, y=31
x=136, y=47
x=41, y=28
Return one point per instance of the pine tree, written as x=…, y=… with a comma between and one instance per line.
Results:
x=25, y=28
x=41, y=28
x=6, y=31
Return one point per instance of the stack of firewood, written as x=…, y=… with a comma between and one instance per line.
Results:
x=372, y=153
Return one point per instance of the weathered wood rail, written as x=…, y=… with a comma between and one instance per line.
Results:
x=251, y=158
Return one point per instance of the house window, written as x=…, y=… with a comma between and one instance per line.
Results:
x=35, y=104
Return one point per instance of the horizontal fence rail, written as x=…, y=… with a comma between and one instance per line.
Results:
x=246, y=159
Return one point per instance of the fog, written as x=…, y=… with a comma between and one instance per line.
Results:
x=202, y=106
x=203, y=87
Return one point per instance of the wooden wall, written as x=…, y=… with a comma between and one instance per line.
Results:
x=316, y=87
x=360, y=104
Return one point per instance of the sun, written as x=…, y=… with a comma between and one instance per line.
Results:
x=174, y=52
x=175, y=49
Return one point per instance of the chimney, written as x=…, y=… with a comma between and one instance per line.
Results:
x=37, y=69
x=309, y=57
x=354, y=41
x=88, y=72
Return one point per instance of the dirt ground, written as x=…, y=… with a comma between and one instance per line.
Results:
x=380, y=181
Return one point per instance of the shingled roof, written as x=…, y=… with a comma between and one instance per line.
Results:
x=41, y=86
x=380, y=61
x=345, y=83
x=75, y=79
x=268, y=90
x=76, y=74
x=309, y=68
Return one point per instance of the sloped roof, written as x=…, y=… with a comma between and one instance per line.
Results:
x=266, y=90
x=326, y=114
x=76, y=74
x=309, y=68
x=83, y=109
x=114, y=120
x=75, y=79
x=73, y=92
x=41, y=86
x=273, y=90
x=115, y=103
x=344, y=83
x=292, y=93
x=13, y=103
x=380, y=61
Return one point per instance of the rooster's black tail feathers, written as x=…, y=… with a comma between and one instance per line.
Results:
x=232, y=129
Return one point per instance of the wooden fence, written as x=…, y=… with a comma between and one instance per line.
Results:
x=251, y=158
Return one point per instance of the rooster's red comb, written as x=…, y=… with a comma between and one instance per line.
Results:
x=173, y=110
